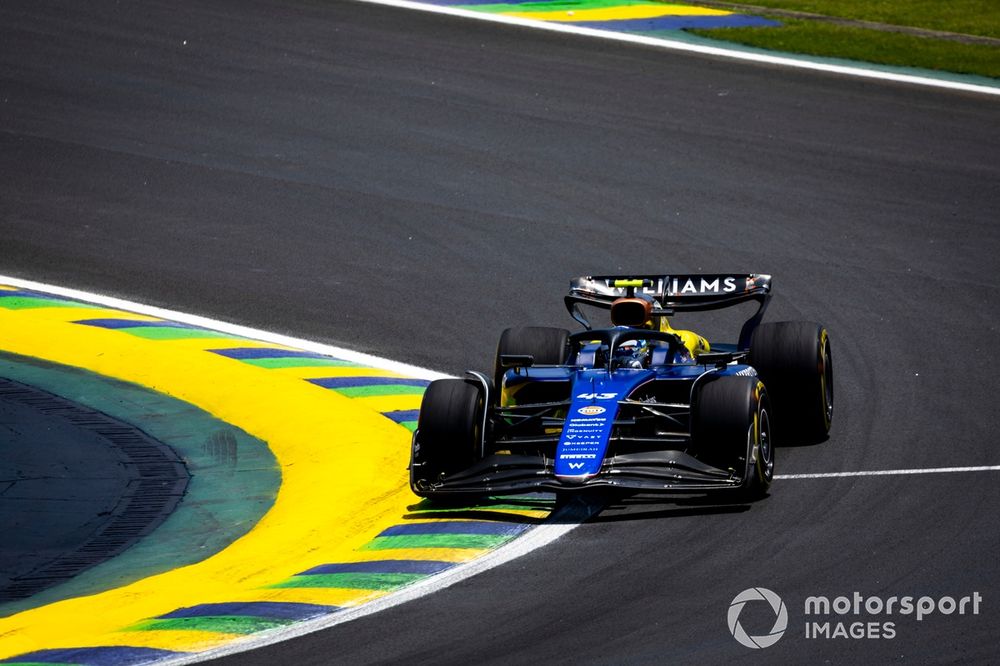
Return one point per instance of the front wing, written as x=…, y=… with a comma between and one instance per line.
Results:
x=649, y=472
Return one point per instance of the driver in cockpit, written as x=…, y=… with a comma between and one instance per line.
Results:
x=637, y=312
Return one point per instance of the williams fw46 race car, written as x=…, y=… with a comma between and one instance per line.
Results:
x=638, y=406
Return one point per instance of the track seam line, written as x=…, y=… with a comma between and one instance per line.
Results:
x=890, y=472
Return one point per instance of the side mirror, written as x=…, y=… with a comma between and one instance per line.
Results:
x=516, y=360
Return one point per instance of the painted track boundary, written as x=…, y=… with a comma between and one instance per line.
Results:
x=675, y=45
x=399, y=545
x=527, y=541
x=226, y=327
x=891, y=472
x=562, y=522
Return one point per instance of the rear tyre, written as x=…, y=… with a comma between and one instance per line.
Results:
x=449, y=432
x=731, y=428
x=546, y=345
x=793, y=360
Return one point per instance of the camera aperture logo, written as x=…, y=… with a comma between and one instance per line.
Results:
x=780, y=617
x=844, y=617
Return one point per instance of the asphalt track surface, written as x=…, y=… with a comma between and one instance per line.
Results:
x=409, y=184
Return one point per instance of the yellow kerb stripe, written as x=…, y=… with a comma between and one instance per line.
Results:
x=619, y=13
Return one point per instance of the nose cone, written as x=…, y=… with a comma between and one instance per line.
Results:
x=574, y=480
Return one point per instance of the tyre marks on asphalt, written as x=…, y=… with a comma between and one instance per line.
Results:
x=344, y=530
x=233, y=480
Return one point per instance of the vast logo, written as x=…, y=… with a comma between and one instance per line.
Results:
x=780, y=617
x=591, y=410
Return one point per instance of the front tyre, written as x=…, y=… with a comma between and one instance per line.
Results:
x=731, y=428
x=449, y=433
x=793, y=360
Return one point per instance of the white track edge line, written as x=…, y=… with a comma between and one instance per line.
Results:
x=533, y=539
x=890, y=472
x=227, y=327
x=784, y=61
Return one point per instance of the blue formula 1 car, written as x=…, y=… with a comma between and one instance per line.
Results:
x=638, y=405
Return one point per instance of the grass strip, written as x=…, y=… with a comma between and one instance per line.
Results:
x=875, y=46
x=970, y=17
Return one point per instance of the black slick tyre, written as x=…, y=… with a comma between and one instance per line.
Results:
x=793, y=360
x=731, y=428
x=546, y=345
x=449, y=432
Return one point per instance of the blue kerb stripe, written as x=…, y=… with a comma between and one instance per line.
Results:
x=352, y=382
x=250, y=353
x=132, y=323
x=382, y=566
x=118, y=655
x=401, y=415
x=678, y=23
x=455, y=527
x=275, y=610
x=28, y=293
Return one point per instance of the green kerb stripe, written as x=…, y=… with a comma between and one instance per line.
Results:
x=25, y=302
x=477, y=541
x=221, y=624
x=353, y=581
x=175, y=333
x=274, y=363
x=387, y=389
x=430, y=508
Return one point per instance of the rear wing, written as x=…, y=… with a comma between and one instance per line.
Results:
x=674, y=293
